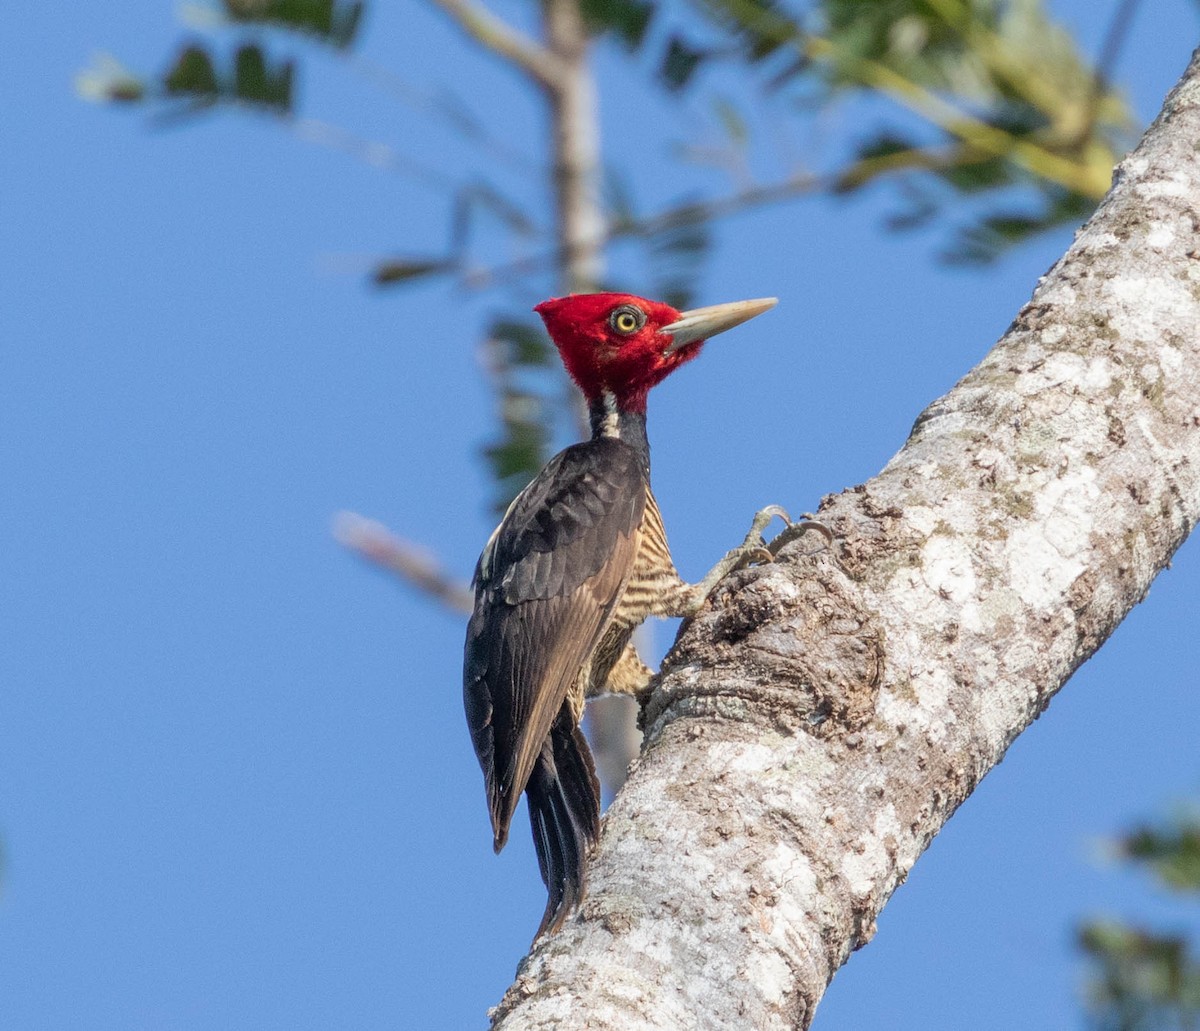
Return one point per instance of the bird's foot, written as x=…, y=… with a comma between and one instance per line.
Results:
x=753, y=550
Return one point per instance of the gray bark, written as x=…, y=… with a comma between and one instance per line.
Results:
x=818, y=723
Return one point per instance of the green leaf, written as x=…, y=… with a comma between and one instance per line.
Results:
x=346, y=25
x=526, y=344
x=528, y=384
x=1140, y=981
x=871, y=160
x=523, y=447
x=885, y=144
x=732, y=122
x=975, y=176
x=327, y=20
x=192, y=75
x=994, y=235
x=627, y=19
x=679, y=63
x=919, y=39
x=520, y=454
x=1145, y=980
x=255, y=83
x=991, y=237
x=1002, y=65
x=398, y=271
x=762, y=27
x=1171, y=852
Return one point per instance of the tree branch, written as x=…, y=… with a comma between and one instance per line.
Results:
x=690, y=213
x=370, y=152
x=411, y=563
x=819, y=722
x=1083, y=177
x=502, y=39
x=1079, y=176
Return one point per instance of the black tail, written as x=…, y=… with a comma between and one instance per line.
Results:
x=564, y=810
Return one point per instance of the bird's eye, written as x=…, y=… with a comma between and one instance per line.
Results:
x=627, y=319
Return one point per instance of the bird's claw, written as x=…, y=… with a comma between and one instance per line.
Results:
x=759, y=556
x=754, y=549
x=755, y=545
x=794, y=531
x=764, y=515
x=754, y=539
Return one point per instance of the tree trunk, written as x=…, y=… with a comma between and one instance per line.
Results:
x=817, y=724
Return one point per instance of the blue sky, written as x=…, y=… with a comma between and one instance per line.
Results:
x=236, y=789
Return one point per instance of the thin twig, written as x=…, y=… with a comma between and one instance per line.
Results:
x=1110, y=52
x=723, y=207
x=410, y=562
x=445, y=106
x=1114, y=40
x=681, y=215
x=378, y=155
x=502, y=39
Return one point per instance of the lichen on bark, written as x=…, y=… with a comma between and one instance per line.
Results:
x=819, y=722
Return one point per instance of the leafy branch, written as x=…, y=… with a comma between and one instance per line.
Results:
x=1002, y=101
x=1143, y=979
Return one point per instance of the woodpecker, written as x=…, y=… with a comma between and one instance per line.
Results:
x=579, y=560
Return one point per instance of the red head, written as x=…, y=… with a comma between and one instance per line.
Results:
x=626, y=345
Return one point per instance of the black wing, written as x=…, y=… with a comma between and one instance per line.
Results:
x=545, y=587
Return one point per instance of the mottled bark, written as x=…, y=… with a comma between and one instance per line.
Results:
x=820, y=721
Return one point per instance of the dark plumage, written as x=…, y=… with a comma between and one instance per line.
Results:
x=545, y=587
x=577, y=562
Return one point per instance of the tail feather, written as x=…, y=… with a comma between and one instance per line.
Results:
x=577, y=774
x=564, y=812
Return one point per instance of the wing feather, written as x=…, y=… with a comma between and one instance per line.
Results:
x=544, y=590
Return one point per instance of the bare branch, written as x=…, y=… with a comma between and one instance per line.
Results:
x=755, y=196
x=1114, y=41
x=817, y=724
x=378, y=155
x=684, y=214
x=442, y=105
x=1110, y=52
x=410, y=562
x=503, y=40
